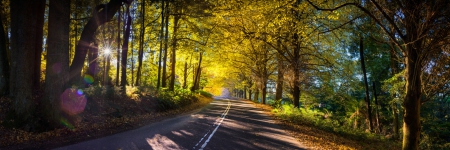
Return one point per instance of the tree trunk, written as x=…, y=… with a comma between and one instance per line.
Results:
x=185, y=75
x=295, y=63
x=197, y=75
x=93, y=62
x=57, y=67
x=141, y=45
x=249, y=94
x=376, y=107
x=174, y=49
x=411, y=103
x=245, y=93
x=24, y=45
x=4, y=63
x=255, y=98
x=161, y=34
x=100, y=17
x=126, y=36
x=166, y=41
x=39, y=17
x=369, y=110
x=119, y=19
x=280, y=75
x=264, y=92
x=279, y=88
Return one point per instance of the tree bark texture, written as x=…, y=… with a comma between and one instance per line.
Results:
x=24, y=44
x=366, y=85
x=57, y=67
x=4, y=63
x=100, y=17
x=411, y=103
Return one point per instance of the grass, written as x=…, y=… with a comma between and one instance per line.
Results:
x=312, y=130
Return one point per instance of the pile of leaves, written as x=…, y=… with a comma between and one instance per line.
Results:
x=107, y=112
x=318, y=137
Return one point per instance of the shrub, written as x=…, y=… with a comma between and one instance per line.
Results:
x=204, y=93
x=174, y=99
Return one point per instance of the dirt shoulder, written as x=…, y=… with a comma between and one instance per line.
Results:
x=102, y=117
x=316, y=138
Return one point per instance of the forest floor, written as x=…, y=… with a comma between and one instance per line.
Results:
x=101, y=117
x=316, y=138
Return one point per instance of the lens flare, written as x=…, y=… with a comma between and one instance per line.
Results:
x=80, y=92
x=72, y=102
x=66, y=123
x=88, y=79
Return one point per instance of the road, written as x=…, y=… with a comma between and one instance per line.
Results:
x=223, y=124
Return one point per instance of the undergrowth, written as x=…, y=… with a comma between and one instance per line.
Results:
x=325, y=121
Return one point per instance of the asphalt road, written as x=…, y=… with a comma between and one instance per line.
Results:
x=223, y=124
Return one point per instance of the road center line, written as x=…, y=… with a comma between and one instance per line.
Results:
x=224, y=114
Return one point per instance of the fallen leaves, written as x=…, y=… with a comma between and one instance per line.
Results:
x=94, y=122
x=315, y=138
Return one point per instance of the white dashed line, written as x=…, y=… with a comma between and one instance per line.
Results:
x=217, y=124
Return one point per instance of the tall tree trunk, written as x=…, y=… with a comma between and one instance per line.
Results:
x=119, y=20
x=296, y=69
x=245, y=93
x=4, y=63
x=255, y=98
x=366, y=85
x=197, y=75
x=161, y=34
x=411, y=103
x=93, y=62
x=185, y=75
x=376, y=107
x=249, y=94
x=141, y=45
x=126, y=37
x=39, y=17
x=57, y=67
x=174, y=49
x=166, y=42
x=24, y=45
x=100, y=17
x=280, y=78
x=264, y=91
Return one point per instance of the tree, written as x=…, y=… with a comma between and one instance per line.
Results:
x=141, y=44
x=126, y=37
x=25, y=45
x=419, y=41
x=57, y=67
x=160, y=37
x=366, y=85
x=102, y=14
x=4, y=62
